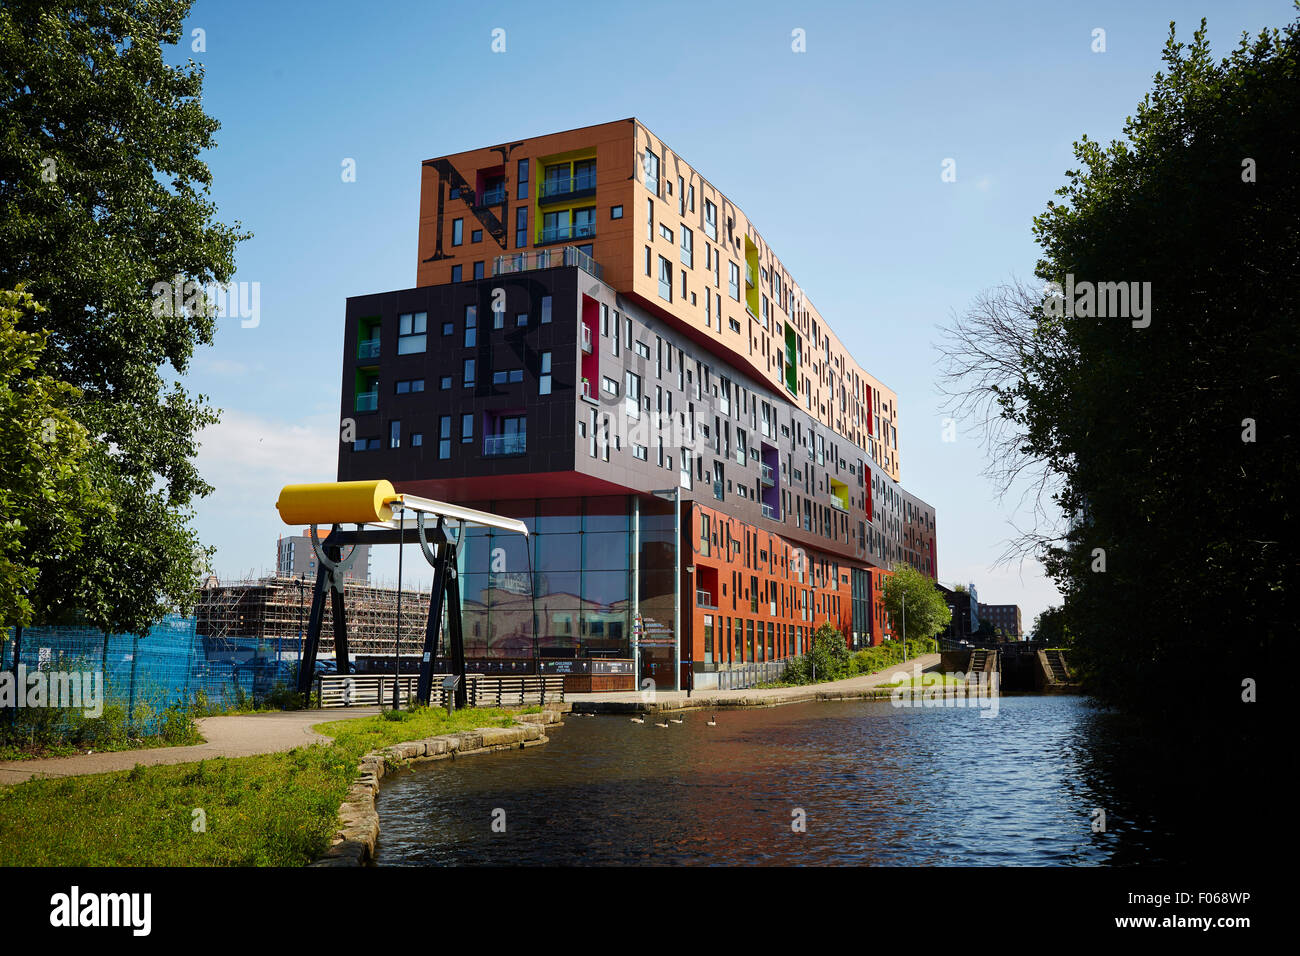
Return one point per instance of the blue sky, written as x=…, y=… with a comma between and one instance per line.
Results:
x=834, y=153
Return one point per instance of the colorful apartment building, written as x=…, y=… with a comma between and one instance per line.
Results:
x=600, y=342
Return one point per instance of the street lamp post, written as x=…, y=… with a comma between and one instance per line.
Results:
x=299, y=582
x=397, y=644
x=904, y=625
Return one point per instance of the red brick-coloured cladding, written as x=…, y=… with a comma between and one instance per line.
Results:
x=747, y=578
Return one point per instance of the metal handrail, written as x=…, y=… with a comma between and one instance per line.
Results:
x=495, y=445
x=565, y=185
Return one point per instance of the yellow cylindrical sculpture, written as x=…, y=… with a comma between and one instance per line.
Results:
x=337, y=502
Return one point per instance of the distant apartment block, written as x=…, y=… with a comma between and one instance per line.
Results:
x=1005, y=616
x=295, y=557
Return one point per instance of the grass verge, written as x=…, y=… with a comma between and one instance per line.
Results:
x=270, y=810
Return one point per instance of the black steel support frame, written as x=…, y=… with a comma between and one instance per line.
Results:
x=440, y=552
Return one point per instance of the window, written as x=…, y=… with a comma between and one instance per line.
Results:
x=521, y=190
x=711, y=220
x=735, y=326
x=444, y=436
x=685, y=477
x=555, y=179
x=647, y=260
x=417, y=439
x=476, y=235
x=471, y=325
x=650, y=219
x=640, y=452
x=466, y=429
x=681, y=196
x=521, y=227
x=651, y=163
x=609, y=385
x=455, y=273
x=445, y=382
x=506, y=435
x=478, y=270
x=665, y=279
x=395, y=434
x=642, y=350
x=688, y=248
x=546, y=309
x=544, y=380
x=448, y=328
x=411, y=332
x=457, y=232
x=469, y=372
x=615, y=212
x=409, y=385
x=507, y=375
x=665, y=232
x=632, y=395
x=733, y=280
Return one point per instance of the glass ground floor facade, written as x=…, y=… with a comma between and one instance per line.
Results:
x=574, y=586
x=592, y=569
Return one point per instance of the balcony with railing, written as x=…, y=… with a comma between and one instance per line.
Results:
x=770, y=512
x=586, y=340
x=567, y=233
x=368, y=401
x=766, y=474
x=368, y=349
x=704, y=599
x=546, y=259
x=557, y=188
x=499, y=446
x=493, y=196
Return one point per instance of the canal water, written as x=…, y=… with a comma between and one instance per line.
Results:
x=871, y=784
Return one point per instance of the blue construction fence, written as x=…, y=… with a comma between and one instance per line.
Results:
x=170, y=665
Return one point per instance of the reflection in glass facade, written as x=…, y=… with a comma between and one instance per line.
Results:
x=567, y=590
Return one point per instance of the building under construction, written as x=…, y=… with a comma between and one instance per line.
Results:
x=274, y=612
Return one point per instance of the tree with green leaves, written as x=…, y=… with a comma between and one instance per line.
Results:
x=910, y=590
x=1165, y=435
x=1051, y=626
x=48, y=492
x=103, y=195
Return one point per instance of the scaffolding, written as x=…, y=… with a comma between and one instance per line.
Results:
x=273, y=612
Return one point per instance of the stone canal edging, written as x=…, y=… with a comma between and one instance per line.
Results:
x=772, y=697
x=354, y=841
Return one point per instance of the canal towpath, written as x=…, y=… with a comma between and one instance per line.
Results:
x=864, y=685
